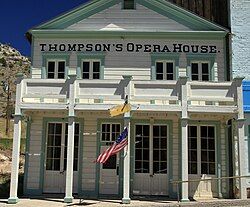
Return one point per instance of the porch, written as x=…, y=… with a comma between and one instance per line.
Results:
x=181, y=102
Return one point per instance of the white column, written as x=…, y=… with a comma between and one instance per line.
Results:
x=126, y=170
x=184, y=139
x=15, y=160
x=184, y=160
x=70, y=161
x=241, y=138
x=16, y=142
x=70, y=147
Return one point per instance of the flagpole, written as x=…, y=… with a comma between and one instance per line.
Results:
x=126, y=169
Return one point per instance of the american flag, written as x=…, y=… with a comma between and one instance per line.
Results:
x=118, y=145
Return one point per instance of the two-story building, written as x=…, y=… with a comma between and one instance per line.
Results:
x=171, y=66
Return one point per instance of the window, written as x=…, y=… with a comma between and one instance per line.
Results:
x=129, y=4
x=91, y=69
x=57, y=142
x=56, y=69
x=110, y=132
x=201, y=150
x=200, y=71
x=164, y=70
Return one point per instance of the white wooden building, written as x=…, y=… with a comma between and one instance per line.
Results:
x=170, y=63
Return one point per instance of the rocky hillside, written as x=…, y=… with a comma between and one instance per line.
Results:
x=11, y=63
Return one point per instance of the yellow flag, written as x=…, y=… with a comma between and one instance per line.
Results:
x=120, y=109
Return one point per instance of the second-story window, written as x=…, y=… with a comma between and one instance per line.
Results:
x=56, y=69
x=164, y=70
x=200, y=71
x=91, y=69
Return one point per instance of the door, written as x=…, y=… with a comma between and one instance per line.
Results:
x=202, y=161
x=150, y=176
x=56, y=158
x=109, y=172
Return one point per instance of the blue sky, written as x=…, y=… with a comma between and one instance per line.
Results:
x=19, y=16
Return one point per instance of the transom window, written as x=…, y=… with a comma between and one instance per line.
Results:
x=91, y=69
x=128, y=4
x=164, y=70
x=56, y=69
x=110, y=132
x=201, y=150
x=200, y=71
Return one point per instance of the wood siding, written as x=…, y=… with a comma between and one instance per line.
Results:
x=137, y=64
x=213, y=10
x=116, y=19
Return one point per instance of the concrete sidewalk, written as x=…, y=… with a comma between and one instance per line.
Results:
x=53, y=202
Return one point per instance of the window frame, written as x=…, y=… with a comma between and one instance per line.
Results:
x=165, y=74
x=52, y=56
x=63, y=139
x=91, y=68
x=90, y=56
x=168, y=57
x=199, y=149
x=110, y=139
x=56, y=61
x=200, y=74
x=212, y=67
x=129, y=9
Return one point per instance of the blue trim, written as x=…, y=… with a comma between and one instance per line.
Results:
x=246, y=95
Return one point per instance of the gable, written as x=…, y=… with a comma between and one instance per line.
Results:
x=149, y=16
x=139, y=20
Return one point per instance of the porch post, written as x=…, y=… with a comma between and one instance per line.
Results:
x=241, y=138
x=13, y=199
x=70, y=147
x=184, y=139
x=126, y=170
x=70, y=160
x=184, y=160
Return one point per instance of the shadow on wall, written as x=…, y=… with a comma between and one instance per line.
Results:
x=5, y=185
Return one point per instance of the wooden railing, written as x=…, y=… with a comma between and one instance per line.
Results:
x=166, y=94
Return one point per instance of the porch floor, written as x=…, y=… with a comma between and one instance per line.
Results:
x=139, y=201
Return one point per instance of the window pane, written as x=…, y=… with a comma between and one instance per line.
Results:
x=96, y=76
x=212, y=168
x=96, y=67
x=170, y=77
x=205, y=77
x=129, y=4
x=51, y=67
x=159, y=76
x=145, y=167
x=204, y=168
x=204, y=156
x=205, y=68
x=51, y=75
x=146, y=155
x=138, y=154
x=61, y=67
x=156, y=155
x=156, y=167
x=49, y=164
x=111, y=163
x=170, y=68
x=85, y=67
x=163, y=168
x=61, y=75
x=195, y=77
x=138, y=167
x=194, y=68
x=193, y=168
x=159, y=67
x=192, y=131
x=85, y=75
x=57, y=164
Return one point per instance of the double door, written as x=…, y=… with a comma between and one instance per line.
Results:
x=151, y=160
x=56, y=158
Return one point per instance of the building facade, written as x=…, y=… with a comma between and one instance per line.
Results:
x=169, y=64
